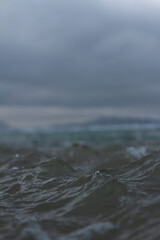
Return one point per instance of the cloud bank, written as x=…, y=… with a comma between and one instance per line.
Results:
x=80, y=54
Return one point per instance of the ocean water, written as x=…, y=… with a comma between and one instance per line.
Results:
x=79, y=183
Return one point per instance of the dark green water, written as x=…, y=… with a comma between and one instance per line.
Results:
x=77, y=185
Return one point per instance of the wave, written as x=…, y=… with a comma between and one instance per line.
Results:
x=80, y=192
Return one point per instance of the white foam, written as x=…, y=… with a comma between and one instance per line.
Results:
x=137, y=153
x=15, y=168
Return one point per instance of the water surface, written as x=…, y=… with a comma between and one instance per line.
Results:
x=80, y=184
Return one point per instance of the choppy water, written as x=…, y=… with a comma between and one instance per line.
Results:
x=80, y=185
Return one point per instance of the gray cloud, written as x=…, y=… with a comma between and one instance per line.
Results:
x=80, y=53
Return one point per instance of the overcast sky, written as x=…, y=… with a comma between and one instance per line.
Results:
x=75, y=60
